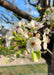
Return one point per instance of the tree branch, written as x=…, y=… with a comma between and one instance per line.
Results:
x=15, y=9
x=6, y=21
x=4, y=16
x=34, y=4
x=53, y=3
x=43, y=5
x=50, y=51
x=48, y=3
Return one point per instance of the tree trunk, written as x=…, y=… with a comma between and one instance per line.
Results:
x=44, y=6
x=16, y=10
x=51, y=66
x=49, y=70
x=50, y=57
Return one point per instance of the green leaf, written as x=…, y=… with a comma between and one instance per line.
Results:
x=47, y=12
x=38, y=19
x=36, y=56
x=12, y=47
x=6, y=61
x=52, y=25
x=14, y=33
x=18, y=53
x=38, y=7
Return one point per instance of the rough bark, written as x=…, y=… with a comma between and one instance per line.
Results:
x=53, y=3
x=51, y=59
x=15, y=9
x=44, y=6
x=51, y=66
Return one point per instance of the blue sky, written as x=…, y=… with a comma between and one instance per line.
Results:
x=21, y=4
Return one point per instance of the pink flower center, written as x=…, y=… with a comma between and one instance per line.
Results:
x=37, y=35
x=17, y=27
x=36, y=25
x=14, y=43
x=32, y=44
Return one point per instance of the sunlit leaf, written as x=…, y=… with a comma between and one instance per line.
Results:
x=36, y=56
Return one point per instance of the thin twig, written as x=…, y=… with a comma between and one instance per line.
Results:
x=34, y=4
x=49, y=51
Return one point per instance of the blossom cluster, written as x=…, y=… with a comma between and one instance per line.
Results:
x=48, y=16
x=27, y=34
x=24, y=32
x=22, y=29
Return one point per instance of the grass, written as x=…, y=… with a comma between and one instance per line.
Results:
x=37, y=69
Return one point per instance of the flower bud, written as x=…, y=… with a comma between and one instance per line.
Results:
x=14, y=44
x=30, y=34
x=20, y=31
x=25, y=52
x=25, y=36
x=38, y=35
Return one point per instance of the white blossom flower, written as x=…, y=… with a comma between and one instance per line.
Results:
x=33, y=44
x=44, y=19
x=38, y=35
x=0, y=36
x=9, y=35
x=25, y=53
x=25, y=36
x=35, y=31
x=18, y=23
x=45, y=40
x=20, y=31
x=8, y=38
x=35, y=25
x=48, y=17
x=32, y=24
x=48, y=9
x=12, y=28
x=23, y=22
x=48, y=22
x=45, y=46
x=40, y=25
x=8, y=44
x=28, y=25
x=47, y=30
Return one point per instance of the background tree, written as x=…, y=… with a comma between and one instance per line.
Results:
x=18, y=14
